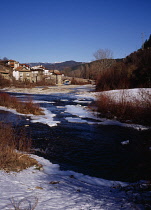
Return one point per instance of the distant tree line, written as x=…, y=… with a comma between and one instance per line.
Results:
x=90, y=70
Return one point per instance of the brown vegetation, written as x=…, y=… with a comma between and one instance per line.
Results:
x=11, y=142
x=4, y=82
x=28, y=84
x=89, y=70
x=21, y=107
x=136, y=111
x=77, y=81
x=134, y=71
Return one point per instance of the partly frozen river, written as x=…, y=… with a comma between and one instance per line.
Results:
x=73, y=137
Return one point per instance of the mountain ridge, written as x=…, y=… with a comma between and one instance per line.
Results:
x=57, y=65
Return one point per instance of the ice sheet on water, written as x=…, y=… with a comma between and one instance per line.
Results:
x=82, y=101
x=80, y=111
x=75, y=120
x=44, y=102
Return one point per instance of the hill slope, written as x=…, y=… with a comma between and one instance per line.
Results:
x=59, y=66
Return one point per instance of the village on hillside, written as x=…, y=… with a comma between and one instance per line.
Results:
x=24, y=73
x=15, y=71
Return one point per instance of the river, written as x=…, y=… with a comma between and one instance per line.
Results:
x=77, y=140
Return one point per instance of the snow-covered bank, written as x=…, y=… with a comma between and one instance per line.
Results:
x=128, y=94
x=55, y=189
x=47, y=118
x=84, y=115
x=141, y=96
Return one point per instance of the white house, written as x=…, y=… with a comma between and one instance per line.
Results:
x=46, y=72
x=22, y=73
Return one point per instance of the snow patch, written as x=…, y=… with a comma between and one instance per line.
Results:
x=125, y=142
x=44, y=102
x=64, y=100
x=47, y=118
x=127, y=94
x=50, y=168
x=55, y=189
x=60, y=107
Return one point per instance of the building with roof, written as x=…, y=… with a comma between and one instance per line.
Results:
x=5, y=72
x=22, y=74
x=13, y=64
x=56, y=76
x=37, y=75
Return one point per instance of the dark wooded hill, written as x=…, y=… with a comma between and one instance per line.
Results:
x=59, y=66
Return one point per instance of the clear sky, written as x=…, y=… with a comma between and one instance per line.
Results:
x=61, y=30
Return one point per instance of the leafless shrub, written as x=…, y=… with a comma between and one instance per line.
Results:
x=136, y=110
x=21, y=107
x=12, y=141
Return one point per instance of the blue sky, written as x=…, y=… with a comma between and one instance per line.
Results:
x=61, y=30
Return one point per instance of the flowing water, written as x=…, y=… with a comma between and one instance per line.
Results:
x=79, y=142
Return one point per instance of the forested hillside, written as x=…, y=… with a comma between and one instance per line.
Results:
x=90, y=70
x=59, y=66
x=133, y=71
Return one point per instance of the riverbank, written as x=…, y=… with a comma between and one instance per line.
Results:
x=43, y=89
x=77, y=137
x=50, y=188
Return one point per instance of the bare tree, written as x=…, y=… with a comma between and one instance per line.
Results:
x=103, y=54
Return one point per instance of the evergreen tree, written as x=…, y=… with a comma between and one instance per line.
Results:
x=147, y=43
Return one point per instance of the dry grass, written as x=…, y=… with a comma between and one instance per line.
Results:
x=11, y=142
x=21, y=107
x=28, y=84
x=136, y=111
x=27, y=203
